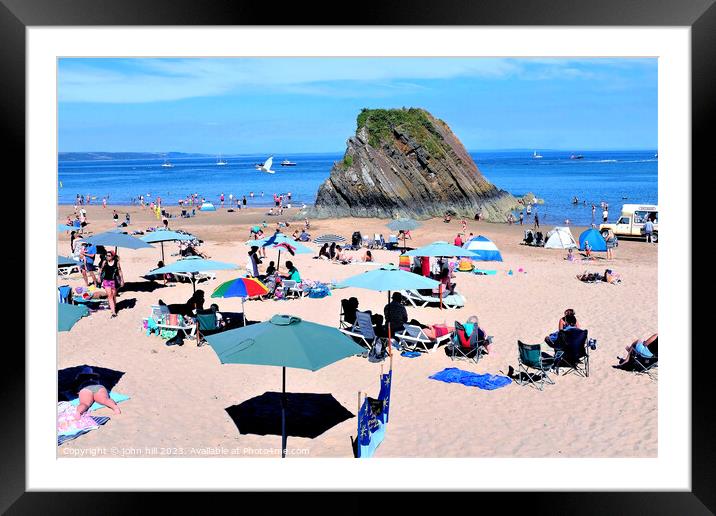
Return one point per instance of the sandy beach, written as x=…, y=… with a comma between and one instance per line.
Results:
x=179, y=394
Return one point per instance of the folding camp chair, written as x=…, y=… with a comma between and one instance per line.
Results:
x=572, y=351
x=531, y=357
x=468, y=345
x=362, y=331
x=641, y=364
x=67, y=270
x=64, y=294
x=348, y=314
x=205, y=325
x=413, y=338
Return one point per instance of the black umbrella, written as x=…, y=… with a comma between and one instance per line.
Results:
x=307, y=415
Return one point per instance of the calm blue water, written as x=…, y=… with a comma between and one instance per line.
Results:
x=614, y=177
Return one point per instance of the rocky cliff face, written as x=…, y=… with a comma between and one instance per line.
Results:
x=405, y=162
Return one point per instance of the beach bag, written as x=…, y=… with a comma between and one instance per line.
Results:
x=404, y=262
x=176, y=340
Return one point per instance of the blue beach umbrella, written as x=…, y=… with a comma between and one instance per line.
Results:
x=483, y=248
x=193, y=265
x=116, y=239
x=595, y=239
x=441, y=250
x=284, y=341
x=65, y=227
x=165, y=236
x=64, y=261
x=403, y=225
x=390, y=279
x=68, y=315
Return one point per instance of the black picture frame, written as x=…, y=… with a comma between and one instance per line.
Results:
x=699, y=15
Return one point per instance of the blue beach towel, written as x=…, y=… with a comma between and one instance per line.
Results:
x=488, y=382
x=117, y=397
x=410, y=354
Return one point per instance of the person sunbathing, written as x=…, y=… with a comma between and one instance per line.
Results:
x=342, y=256
x=90, y=390
x=639, y=346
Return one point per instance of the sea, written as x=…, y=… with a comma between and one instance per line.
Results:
x=612, y=177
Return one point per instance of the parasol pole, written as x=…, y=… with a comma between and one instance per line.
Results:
x=283, y=416
x=243, y=315
x=162, y=252
x=278, y=262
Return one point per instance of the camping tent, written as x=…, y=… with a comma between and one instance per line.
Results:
x=595, y=239
x=484, y=249
x=207, y=206
x=560, y=238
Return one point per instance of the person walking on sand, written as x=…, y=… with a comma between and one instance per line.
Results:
x=522, y=218
x=611, y=244
x=111, y=276
x=536, y=221
x=221, y=198
x=648, y=230
x=605, y=214
x=243, y=201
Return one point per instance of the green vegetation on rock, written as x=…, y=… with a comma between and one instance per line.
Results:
x=413, y=121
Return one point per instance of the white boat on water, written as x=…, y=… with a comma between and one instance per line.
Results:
x=220, y=162
x=536, y=156
x=287, y=163
x=166, y=164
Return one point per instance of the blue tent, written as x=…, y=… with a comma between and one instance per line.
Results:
x=595, y=239
x=484, y=249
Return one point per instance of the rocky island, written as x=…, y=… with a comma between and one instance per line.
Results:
x=407, y=163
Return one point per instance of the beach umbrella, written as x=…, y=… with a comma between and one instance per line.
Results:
x=241, y=287
x=403, y=225
x=484, y=249
x=116, y=239
x=65, y=227
x=329, y=239
x=165, y=236
x=193, y=265
x=64, y=261
x=68, y=315
x=388, y=278
x=280, y=241
x=441, y=250
x=284, y=341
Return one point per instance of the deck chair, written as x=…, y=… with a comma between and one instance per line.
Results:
x=413, y=338
x=362, y=331
x=530, y=357
x=67, y=270
x=468, y=344
x=572, y=351
x=64, y=294
x=392, y=242
x=419, y=300
x=158, y=311
x=291, y=289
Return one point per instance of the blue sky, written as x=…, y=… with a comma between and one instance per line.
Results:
x=292, y=105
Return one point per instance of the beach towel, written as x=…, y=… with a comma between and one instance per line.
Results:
x=483, y=381
x=410, y=354
x=99, y=421
x=481, y=272
x=115, y=396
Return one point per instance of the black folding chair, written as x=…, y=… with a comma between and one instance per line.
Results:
x=572, y=351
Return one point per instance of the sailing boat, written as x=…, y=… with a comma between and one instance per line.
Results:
x=166, y=164
x=536, y=156
x=220, y=162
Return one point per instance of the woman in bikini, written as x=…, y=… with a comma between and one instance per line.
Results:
x=111, y=277
x=90, y=390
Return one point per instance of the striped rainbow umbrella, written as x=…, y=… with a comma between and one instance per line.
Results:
x=243, y=288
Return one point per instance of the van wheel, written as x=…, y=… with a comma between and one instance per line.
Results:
x=605, y=232
x=654, y=237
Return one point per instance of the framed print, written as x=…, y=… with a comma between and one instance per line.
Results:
x=443, y=241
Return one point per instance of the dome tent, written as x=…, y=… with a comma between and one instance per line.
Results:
x=560, y=238
x=207, y=206
x=595, y=239
x=484, y=249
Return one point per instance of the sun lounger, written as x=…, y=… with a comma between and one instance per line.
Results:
x=67, y=270
x=413, y=338
x=200, y=276
x=362, y=331
x=419, y=300
x=291, y=289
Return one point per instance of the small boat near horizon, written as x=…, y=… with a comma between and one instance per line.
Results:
x=287, y=163
x=536, y=156
x=220, y=162
x=576, y=156
x=166, y=164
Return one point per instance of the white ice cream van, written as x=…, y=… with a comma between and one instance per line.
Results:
x=631, y=222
